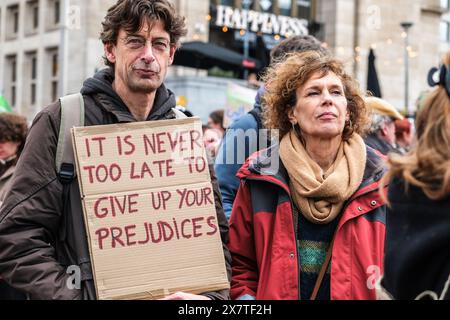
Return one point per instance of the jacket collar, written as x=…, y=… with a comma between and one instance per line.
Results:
x=263, y=165
x=100, y=88
x=164, y=102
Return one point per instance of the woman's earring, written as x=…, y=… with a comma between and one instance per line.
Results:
x=296, y=128
x=350, y=124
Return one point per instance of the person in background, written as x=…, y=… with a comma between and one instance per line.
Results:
x=215, y=121
x=212, y=139
x=13, y=133
x=417, y=260
x=252, y=81
x=404, y=135
x=250, y=125
x=381, y=135
x=42, y=232
x=313, y=226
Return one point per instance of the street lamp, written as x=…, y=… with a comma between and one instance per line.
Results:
x=246, y=5
x=406, y=26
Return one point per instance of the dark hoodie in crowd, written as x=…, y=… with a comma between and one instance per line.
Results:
x=417, y=252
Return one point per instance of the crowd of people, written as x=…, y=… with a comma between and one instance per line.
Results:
x=344, y=198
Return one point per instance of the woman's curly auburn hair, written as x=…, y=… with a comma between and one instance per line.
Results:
x=283, y=78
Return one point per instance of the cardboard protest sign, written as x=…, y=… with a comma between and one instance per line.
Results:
x=240, y=100
x=149, y=209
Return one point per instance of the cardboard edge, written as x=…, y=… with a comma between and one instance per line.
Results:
x=111, y=128
x=85, y=217
x=158, y=294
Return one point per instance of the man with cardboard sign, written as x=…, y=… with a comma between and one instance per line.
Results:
x=44, y=248
x=149, y=209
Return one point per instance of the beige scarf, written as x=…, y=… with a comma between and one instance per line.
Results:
x=321, y=196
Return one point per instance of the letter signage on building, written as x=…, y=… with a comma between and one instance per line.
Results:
x=263, y=22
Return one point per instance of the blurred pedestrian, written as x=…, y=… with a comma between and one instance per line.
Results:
x=314, y=227
x=215, y=121
x=232, y=153
x=417, y=262
x=13, y=133
x=381, y=135
x=404, y=135
x=212, y=139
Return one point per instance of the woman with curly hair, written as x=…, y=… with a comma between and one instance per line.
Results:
x=311, y=227
x=13, y=132
x=417, y=262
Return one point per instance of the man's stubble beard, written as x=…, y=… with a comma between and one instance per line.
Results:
x=137, y=86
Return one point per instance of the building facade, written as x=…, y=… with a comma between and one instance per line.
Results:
x=353, y=27
x=48, y=47
x=349, y=28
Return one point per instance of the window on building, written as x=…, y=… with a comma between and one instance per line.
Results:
x=266, y=5
x=35, y=17
x=10, y=77
x=12, y=22
x=33, y=79
x=52, y=74
x=30, y=78
x=229, y=3
x=56, y=11
x=285, y=7
x=55, y=64
x=304, y=9
x=32, y=17
x=53, y=13
x=445, y=31
x=445, y=4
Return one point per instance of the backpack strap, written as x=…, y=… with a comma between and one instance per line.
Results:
x=257, y=113
x=72, y=115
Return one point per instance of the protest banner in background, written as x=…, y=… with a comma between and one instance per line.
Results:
x=4, y=105
x=149, y=209
x=240, y=100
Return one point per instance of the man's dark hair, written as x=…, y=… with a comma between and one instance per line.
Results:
x=297, y=44
x=13, y=128
x=131, y=15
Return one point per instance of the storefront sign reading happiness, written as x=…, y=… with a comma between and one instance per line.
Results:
x=260, y=21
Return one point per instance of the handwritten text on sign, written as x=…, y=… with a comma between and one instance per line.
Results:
x=161, y=224
x=149, y=208
x=171, y=147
